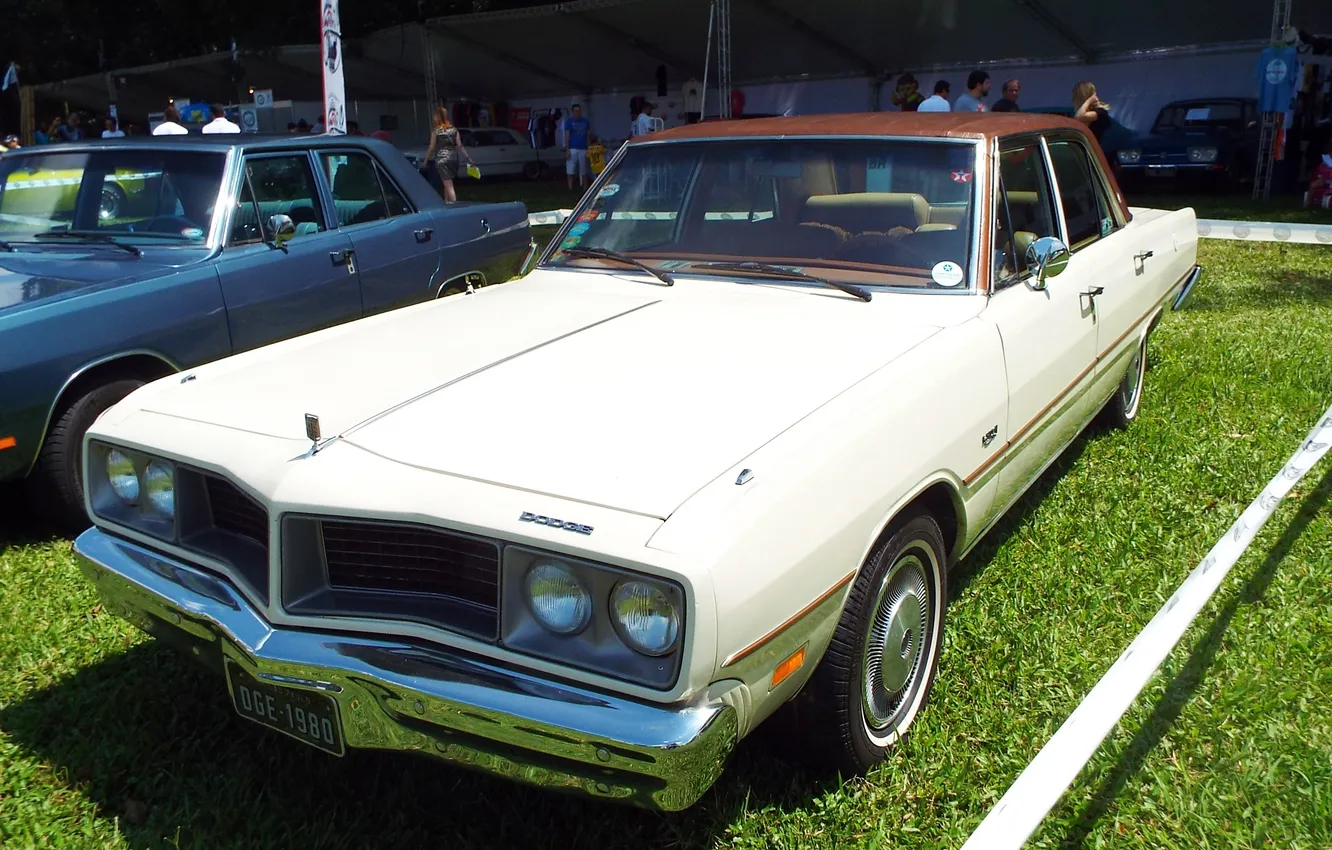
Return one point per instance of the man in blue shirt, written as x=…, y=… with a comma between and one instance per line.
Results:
x=575, y=146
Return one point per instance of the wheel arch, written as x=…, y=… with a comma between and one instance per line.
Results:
x=941, y=497
x=143, y=364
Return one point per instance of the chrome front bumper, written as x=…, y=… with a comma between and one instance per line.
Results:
x=394, y=695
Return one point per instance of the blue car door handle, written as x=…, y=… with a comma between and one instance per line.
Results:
x=424, y=234
x=340, y=258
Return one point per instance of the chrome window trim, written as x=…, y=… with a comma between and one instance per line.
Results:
x=978, y=162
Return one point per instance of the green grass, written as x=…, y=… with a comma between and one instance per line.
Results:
x=110, y=740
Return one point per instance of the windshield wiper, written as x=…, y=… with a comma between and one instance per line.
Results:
x=779, y=273
x=101, y=238
x=604, y=254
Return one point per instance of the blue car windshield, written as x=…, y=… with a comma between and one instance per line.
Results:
x=872, y=212
x=1181, y=116
x=130, y=195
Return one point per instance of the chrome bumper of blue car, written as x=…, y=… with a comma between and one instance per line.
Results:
x=393, y=695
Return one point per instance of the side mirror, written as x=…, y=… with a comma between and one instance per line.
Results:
x=282, y=228
x=1047, y=257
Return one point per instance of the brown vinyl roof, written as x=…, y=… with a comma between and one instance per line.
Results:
x=960, y=125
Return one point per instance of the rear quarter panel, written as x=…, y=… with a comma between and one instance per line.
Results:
x=178, y=318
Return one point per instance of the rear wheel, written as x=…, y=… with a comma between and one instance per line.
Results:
x=532, y=170
x=57, y=481
x=881, y=663
x=1123, y=405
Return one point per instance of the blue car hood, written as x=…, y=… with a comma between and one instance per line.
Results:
x=30, y=278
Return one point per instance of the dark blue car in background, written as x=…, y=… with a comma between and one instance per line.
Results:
x=1209, y=141
x=122, y=261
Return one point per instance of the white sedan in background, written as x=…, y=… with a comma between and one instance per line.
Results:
x=500, y=151
x=717, y=454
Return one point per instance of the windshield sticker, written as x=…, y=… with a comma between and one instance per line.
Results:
x=961, y=176
x=590, y=215
x=608, y=190
x=192, y=232
x=947, y=274
x=579, y=229
x=673, y=264
x=1202, y=113
x=571, y=242
x=1107, y=225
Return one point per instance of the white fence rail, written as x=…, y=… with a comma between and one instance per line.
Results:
x=1036, y=790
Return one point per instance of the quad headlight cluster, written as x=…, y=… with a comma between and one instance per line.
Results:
x=1202, y=154
x=594, y=616
x=133, y=489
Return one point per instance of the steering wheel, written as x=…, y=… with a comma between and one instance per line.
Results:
x=167, y=224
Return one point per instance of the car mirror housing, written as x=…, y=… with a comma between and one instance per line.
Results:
x=282, y=228
x=1047, y=257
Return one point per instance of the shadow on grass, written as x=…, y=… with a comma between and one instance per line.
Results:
x=149, y=737
x=20, y=524
x=1300, y=288
x=1185, y=684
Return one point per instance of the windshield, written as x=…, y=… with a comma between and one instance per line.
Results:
x=1226, y=114
x=880, y=212
x=133, y=196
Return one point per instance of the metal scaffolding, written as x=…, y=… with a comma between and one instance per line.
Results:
x=1272, y=121
x=724, y=55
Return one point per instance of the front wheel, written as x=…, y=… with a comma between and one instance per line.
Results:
x=58, y=478
x=881, y=662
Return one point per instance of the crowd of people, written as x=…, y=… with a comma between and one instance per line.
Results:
x=1087, y=106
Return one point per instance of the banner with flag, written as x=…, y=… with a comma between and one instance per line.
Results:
x=335, y=99
x=11, y=77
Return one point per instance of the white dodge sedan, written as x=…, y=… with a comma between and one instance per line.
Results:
x=716, y=453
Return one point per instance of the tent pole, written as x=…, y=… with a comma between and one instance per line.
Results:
x=707, y=59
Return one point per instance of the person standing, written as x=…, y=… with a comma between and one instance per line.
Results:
x=170, y=125
x=447, y=149
x=219, y=124
x=644, y=124
x=70, y=131
x=112, y=131
x=907, y=96
x=1090, y=109
x=1008, y=97
x=938, y=102
x=973, y=99
x=576, y=129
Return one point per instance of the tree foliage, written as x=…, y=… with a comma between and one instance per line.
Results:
x=59, y=39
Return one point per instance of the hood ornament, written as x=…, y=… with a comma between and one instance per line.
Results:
x=312, y=431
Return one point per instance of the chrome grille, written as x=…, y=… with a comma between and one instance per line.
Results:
x=411, y=559
x=236, y=513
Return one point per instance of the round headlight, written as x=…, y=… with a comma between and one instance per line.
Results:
x=160, y=482
x=644, y=617
x=558, y=599
x=124, y=479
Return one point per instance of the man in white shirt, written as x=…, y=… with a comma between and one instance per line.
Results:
x=219, y=124
x=170, y=125
x=112, y=131
x=644, y=124
x=939, y=102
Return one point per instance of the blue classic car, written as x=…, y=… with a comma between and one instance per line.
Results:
x=1213, y=140
x=124, y=260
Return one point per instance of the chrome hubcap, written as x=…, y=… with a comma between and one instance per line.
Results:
x=1128, y=388
x=897, y=640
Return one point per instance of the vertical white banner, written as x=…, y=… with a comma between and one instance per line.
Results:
x=335, y=99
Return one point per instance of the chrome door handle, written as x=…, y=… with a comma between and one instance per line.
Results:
x=1094, y=291
x=339, y=258
x=1144, y=255
x=486, y=225
x=424, y=234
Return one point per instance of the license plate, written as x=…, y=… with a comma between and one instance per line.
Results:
x=304, y=715
x=1161, y=170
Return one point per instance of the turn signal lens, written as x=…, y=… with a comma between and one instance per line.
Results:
x=7, y=443
x=789, y=666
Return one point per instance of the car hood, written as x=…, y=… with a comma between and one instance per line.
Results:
x=1178, y=139
x=604, y=389
x=28, y=279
